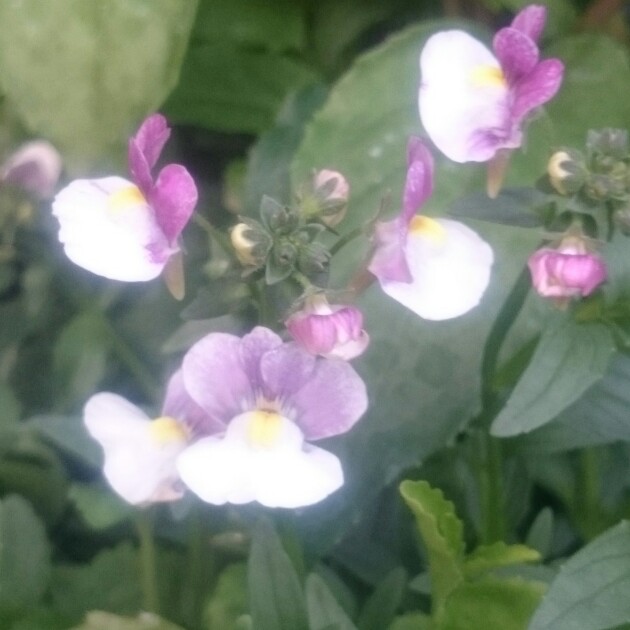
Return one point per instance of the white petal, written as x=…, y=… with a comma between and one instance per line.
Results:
x=449, y=276
x=139, y=468
x=453, y=106
x=110, y=243
x=229, y=470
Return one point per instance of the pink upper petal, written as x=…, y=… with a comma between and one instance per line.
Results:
x=173, y=199
x=284, y=370
x=419, y=181
x=537, y=88
x=531, y=21
x=145, y=149
x=516, y=52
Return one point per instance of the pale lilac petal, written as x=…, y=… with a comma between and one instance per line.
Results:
x=253, y=346
x=117, y=240
x=215, y=377
x=350, y=349
x=145, y=149
x=450, y=275
x=179, y=405
x=331, y=402
x=388, y=260
x=173, y=198
x=464, y=104
x=35, y=167
x=537, y=88
x=419, y=181
x=517, y=53
x=531, y=21
x=285, y=370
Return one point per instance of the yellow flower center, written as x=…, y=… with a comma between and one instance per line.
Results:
x=264, y=427
x=124, y=198
x=425, y=226
x=166, y=430
x=487, y=76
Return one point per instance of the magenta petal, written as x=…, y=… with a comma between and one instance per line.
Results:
x=145, y=149
x=388, y=260
x=536, y=89
x=285, y=370
x=253, y=346
x=517, y=53
x=173, y=199
x=531, y=21
x=332, y=400
x=419, y=181
x=215, y=377
x=179, y=405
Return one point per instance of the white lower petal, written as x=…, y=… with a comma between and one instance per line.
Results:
x=449, y=276
x=121, y=244
x=139, y=468
x=454, y=106
x=230, y=470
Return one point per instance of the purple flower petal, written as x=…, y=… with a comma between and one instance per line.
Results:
x=331, y=401
x=539, y=87
x=173, y=199
x=531, y=21
x=388, y=261
x=179, y=405
x=517, y=53
x=145, y=149
x=419, y=182
x=285, y=370
x=215, y=377
x=253, y=346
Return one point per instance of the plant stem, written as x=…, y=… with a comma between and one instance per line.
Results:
x=197, y=562
x=587, y=512
x=345, y=239
x=148, y=575
x=491, y=488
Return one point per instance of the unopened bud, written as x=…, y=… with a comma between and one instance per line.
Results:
x=35, y=167
x=329, y=200
x=251, y=244
x=567, y=171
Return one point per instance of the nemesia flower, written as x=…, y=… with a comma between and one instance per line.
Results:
x=472, y=102
x=128, y=230
x=140, y=452
x=273, y=399
x=567, y=272
x=34, y=167
x=328, y=330
x=438, y=268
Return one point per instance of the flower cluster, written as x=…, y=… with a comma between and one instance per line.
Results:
x=236, y=426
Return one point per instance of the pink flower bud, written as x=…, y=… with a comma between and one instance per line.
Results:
x=329, y=330
x=35, y=167
x=331, y=190
x=567, y=272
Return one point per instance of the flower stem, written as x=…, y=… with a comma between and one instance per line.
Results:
x=345, y=239
x=148, y=575
x=491, y=490
x=588, y=512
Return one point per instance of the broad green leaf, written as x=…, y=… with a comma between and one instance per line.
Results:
x=109, y=64
x=228, y=602
x=379, y=610
x=496, y=604
x=540, y=533
x=276, y=599
x=569, y=358
x=110, y=582
x=412, y=621
x=24, y=554
x=99, y=507
x=9, y=408
x=39, y=619
x=489, y=557
x=98, y=620
x=323, y=609
x=590, y=591
x=442, y=534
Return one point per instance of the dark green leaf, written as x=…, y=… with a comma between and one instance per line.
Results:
x=540, y=533
x=99, y=507
x=323, y=609
x=228, y=602
x=379, y=610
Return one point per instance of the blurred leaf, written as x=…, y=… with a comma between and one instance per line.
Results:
x=9, y=407
x=412, y=621
x=24, y=554
x=110, y=64
x=569, y=358
x=99, y=507
x=489, y=557
x=442, y=534
x=41, y=619
x=501, y=604
x=110, y=582
x=228, y=602
x=324, y=610
x=191, y=332
x=540, y=533
x=276, y=599
x=590, y=591
x=144, y=621
x=379, y=610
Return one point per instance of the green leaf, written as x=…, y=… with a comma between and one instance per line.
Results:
x=570, y=357
x=98, y=620
x=489, y=557
x=110, y=64
x=540, y=533
x=442, y=534
x=379, y=610
x=228, y=602
x=590, y=591
x=24, y=554
x=276, y=599
x=323, y=609
x=412, y=621
x=9, y=408
x=99, y=507
x=501, y=604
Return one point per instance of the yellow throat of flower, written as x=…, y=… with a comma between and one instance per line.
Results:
x=263, y=429
x=125, y=198
x=429, y=228
x=167, y=430
x=487, y=76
